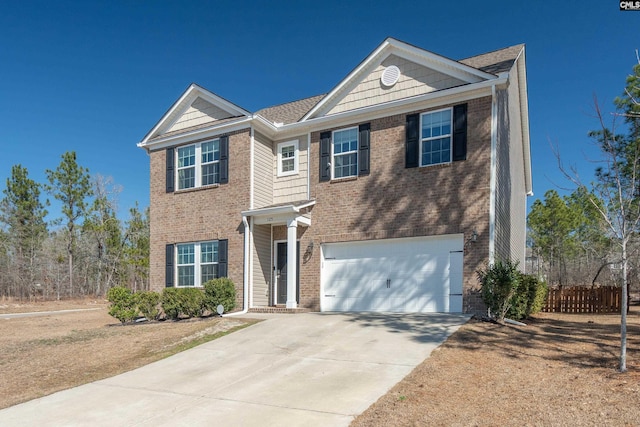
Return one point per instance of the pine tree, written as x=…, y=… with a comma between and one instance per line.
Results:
x=24, y=216
x=69, y=183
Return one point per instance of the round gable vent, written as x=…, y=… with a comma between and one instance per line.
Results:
x=390, y=75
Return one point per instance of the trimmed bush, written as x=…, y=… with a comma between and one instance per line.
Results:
x=519, y=302
x=178, y=302
x=123, y=304
x=537, y=293
x=147, y=303
x=192, y=302
x=170, y=302
x=219, y=291
x=499, y=283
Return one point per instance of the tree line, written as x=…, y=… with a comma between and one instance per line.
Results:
x=591, y=236
x=598, y=225
x=85, y=251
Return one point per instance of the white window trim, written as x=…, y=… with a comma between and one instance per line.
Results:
x=198, y=165
x=197, y=266
x=296, y=156
x=356, y=151
x=421, y=139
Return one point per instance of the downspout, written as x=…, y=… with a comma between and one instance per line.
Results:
x=308, y=166
x=251, y=169
x=245, y=298
x=493, y=176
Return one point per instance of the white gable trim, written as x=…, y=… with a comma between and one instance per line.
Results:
x=411, y=53
x=192, y=93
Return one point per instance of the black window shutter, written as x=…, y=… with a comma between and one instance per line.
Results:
x=171, y=176
x=169, y=273
x=325, y=156
x=363, y=151
x=412, y=141
x=224, y=159
x=222, y=257
x=460, y=132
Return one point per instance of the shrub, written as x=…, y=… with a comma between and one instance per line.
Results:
x=170, y=303
x=536, y=292
x=192, y=302
x=219, y=291
x=147, y=303
x=519, y=302
x=187, y=302
x=499, y=282
x=123, y=304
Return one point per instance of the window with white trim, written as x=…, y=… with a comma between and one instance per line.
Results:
x=288, y=158
x=198, y=164
x=435, y=137
x=344, y=153
x=197, y=263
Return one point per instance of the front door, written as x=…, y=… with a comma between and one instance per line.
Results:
x=281, y=273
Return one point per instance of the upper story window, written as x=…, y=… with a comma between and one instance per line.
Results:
x=210, y=161
x=345, y=153
x=435, y=137
x=199, y=164
x=288, y=158
x=197, y=263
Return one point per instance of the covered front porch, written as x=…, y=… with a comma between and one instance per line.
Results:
x=274, y=255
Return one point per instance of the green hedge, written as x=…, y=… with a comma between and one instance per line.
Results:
x=219, y=291
x=176, y=303
x=123, y=304
x=182, y=302
x=509, y=293
x=537, y=291
x=147, y=303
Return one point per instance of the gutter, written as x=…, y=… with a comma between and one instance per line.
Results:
x=455, y=94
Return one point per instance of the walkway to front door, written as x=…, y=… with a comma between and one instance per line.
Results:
x=281, y=273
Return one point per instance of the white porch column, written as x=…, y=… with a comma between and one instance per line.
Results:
x=292, y=262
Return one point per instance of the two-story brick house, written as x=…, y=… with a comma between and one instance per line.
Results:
x=385, y=194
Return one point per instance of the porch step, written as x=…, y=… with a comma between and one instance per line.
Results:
x=281, y=310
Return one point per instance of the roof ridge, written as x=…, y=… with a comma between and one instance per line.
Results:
x=492, y=51
x=291, y=102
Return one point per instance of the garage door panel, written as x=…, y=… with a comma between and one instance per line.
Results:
x=396, y=275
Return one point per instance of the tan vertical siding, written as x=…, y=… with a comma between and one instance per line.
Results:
x=510, y=182
x=263, y=179
x=261, y=265
x=415, y=79
x=292, y=188
x=518, y=199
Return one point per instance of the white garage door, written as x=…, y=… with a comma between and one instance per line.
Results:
x=411, y=275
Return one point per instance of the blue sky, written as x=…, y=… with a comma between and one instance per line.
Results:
x=95, y=76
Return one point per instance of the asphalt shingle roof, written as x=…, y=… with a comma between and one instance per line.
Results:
x=290, y=112
x=494, y=62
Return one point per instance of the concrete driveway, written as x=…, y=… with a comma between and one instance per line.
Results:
x=290, y=370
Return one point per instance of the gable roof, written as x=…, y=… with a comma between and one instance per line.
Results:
x=194, y=92
x=475, y=69
x=460, y=71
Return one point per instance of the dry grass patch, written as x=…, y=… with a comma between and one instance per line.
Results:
x=52, y=352
x=560, y=370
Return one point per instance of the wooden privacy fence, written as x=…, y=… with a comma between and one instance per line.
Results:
x=603, y=299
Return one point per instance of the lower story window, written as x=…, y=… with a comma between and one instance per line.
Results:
x=197, y=263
